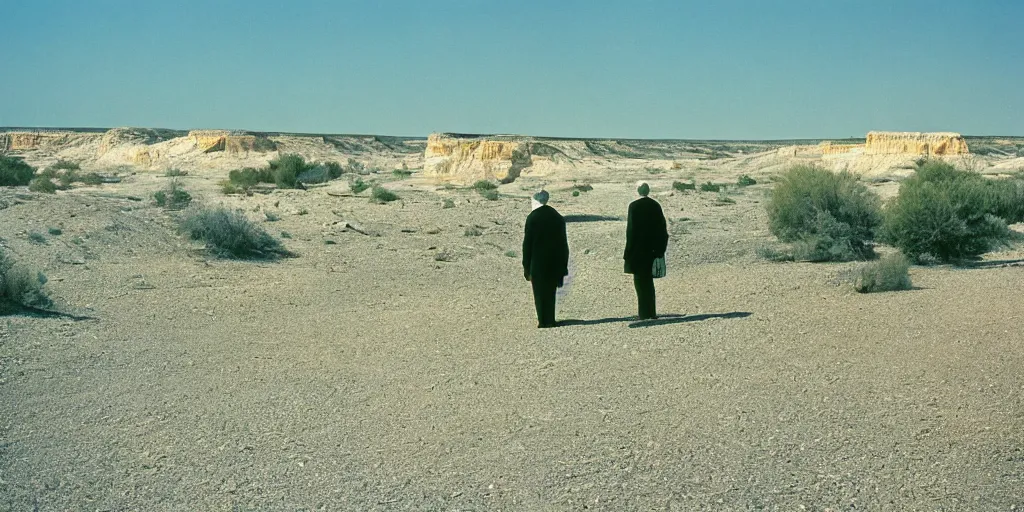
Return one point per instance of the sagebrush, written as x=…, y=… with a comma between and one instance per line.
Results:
x=890, y=273
x=827, y=216
x=230, y=234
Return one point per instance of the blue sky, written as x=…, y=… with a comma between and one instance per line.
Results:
x=728, y=69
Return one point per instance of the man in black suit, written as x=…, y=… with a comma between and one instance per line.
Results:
x=646, y=239
x=545, y=257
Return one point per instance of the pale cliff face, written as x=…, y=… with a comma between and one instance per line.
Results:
x=915, y=143
x=468, y=160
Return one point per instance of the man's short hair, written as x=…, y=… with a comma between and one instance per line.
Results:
x=542, y=197
x=643, y=189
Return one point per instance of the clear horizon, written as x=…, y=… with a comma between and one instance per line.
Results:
x=734, y=70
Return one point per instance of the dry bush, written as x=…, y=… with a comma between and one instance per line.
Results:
x=890, y=273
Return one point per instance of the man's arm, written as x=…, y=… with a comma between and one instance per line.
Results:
x=629, y=231
x=565, y=249
x=528, y=248
x=662, y=233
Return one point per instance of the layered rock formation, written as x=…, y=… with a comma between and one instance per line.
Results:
x=466, y=159
x=831, y=148
x=209, y=141
x=23, y=141
x=915, y=143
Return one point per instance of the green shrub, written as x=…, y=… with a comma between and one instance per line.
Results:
x=746, y=181
x=65, y=165
x=828, y=216
x=229, y=234
x=285, y=234
x=448, y=203
x=473, y=231
x=229, y=188
x=885, y=275
x=710, y=187
x=172, y=197
x=724, y=198
x=401, y=173
x=174, y=172
x=245, y=178
x=42, y=184
x=681, y=186
x=263, y=145
x=945, y=214
x=55, y=231
x=91, y=179
x=37, y=238
x=382, y=195
x=489, y=194
x=14, y=172
x=271, y=216
x=334, y=170
x=358, y=185
x=355, y=166
x=286, y=170
x=482, y=185
x=20, y=287
x=511, y=254
x=575, y=193
x=315, y=174
x=585, y=187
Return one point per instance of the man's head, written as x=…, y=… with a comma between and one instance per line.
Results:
x=541, y=197
x=643, y=189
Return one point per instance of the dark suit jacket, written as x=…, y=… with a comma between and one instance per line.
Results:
x=646, y=236
x=545, y=246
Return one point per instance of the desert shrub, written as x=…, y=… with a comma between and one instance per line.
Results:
x=473, y=231
x=828, y=216
x=36, y=237
x=489, y=194
x=682, y=186
x=511, y=254
x=315, y=174
x=358, y=185
x=724, y=198
x=286, y=170
x=285, y=234
x=710, y=187
x=382, y=195
x=444, y=255
x=20, y=286
x=229, y=234
x=54, y=231
x=746, y=181
x=42, y=184
x=172, y=197
x=245, y=178
x=946, y=214
x=448, y=203
x=334, y=170
x=575, y=193
x=229, y=188
x=401, y=173
x=271, y=216
x=890, y=273
x=174, y=172
x=483, y=185
x=676, y=166
x=90, y=179
x=65, y=165
x=584, y=187
x=14, y=172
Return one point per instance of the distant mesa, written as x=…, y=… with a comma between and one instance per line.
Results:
x=468, y=158
x=902, y=143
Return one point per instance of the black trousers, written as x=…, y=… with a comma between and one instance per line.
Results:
x=544, y=300
x=644, y=285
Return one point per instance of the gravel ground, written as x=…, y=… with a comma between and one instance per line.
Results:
x=366, y=375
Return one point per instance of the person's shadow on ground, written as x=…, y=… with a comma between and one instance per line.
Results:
x=670, y=318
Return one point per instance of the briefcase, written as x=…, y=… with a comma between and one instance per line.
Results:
x=658, y=268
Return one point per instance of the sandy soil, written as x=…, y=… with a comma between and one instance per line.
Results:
x=365, y=375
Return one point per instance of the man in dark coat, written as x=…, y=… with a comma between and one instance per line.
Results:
x=646, y=239
x=545, y=257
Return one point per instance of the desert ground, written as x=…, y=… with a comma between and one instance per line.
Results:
x=367, y=374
